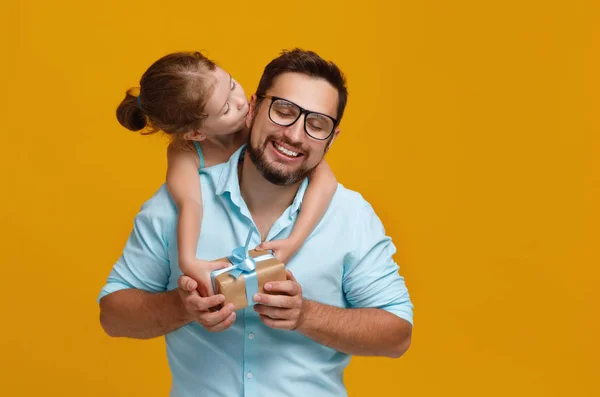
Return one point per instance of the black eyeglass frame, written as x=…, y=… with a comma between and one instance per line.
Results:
x=302, y=111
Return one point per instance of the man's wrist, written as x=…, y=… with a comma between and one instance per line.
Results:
x=182, y=315
x=306, y=313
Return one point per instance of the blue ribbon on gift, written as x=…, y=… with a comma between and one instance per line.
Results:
x=243, y=265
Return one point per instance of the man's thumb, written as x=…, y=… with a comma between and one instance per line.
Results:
x=187, y=283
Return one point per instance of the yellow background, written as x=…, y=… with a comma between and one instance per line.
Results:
x=472, y=128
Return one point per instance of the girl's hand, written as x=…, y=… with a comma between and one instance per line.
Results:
x=199, y=271
x=283, y=249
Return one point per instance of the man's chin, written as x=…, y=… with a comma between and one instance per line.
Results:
x=277, y=177
x=271, y=172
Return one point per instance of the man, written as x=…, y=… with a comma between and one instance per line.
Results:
x=343, y=295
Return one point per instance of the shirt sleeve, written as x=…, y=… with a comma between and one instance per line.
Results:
x=144, y=263
x=371, y=276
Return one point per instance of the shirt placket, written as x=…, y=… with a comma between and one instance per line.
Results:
x=251, y=341
x=252, y=323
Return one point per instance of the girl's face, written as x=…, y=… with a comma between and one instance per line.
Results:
x=226, y=108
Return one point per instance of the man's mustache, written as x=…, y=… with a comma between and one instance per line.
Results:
x=295, y=145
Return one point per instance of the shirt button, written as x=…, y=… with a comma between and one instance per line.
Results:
x=251, y=336
x=249, y=375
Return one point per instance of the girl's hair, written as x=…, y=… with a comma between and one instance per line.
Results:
x=172, y=96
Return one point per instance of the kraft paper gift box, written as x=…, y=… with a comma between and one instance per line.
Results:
x=250, y=270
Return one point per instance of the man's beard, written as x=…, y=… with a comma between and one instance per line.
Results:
x=270, y=172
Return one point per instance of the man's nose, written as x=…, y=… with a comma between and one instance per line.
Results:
x=295, y=132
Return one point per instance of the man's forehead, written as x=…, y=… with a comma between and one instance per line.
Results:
x=312, y=93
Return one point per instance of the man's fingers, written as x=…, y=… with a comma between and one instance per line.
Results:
x=203, y=290
x=207, y=303
x=273, y=312
x=187, y=284
x=204, y=304
x=223, y=325
x=209, y=288
x=205, y=287
x=277, y=324
x=288, y=287
x=283, y=301
x=213, y=318
x=290, y=275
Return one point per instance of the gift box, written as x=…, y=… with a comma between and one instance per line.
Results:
x=250, y=270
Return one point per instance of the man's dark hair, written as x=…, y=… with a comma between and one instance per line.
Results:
x=310, y=64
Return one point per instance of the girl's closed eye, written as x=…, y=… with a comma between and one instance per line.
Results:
x=233, y=85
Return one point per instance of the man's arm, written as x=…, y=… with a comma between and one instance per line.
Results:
x=135, y=302
x=379, y=319
x=139, y=314
x=360, y=332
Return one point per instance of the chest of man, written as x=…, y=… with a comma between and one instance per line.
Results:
x=318, y=265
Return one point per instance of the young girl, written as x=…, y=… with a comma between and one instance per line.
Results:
x=204, y=110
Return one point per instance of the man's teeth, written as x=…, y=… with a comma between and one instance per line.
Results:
x=286, y=151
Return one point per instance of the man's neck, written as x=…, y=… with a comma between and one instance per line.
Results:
x=265, y=200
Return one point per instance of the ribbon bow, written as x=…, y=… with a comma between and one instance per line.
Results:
x=244, y=264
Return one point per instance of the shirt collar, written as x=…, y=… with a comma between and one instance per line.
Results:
x=228, y=181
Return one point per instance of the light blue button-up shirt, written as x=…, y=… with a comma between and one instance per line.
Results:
x=346, y=262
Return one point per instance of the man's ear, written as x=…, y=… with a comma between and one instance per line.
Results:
x=251, y=111
x=194, y=136
x=336, y=132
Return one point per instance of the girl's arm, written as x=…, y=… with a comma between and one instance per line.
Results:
x=319, y=193
x=183, y=183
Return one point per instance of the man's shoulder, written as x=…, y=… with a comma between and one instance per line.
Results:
x=160, y=206
x=347, y=200
x=349, y=209
x=352, y=206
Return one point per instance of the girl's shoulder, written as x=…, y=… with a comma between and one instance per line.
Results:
x=188, y=152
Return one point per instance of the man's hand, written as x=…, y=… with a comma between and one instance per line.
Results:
x=199, y=308
x=283, y=311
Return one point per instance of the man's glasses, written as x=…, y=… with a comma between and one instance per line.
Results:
x=285, y=113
